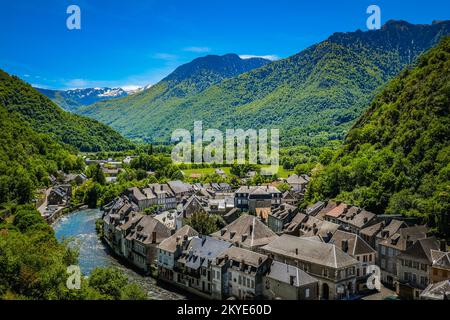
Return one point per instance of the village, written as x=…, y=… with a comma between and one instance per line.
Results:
x=271, y=249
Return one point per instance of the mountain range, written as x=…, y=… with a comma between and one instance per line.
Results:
x=21, y=100
x=312, y=97
x=190, y=78
x=73, y=99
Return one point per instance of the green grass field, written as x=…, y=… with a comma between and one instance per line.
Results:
x=282, y=173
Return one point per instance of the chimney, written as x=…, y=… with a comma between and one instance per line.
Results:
x=162, y=187
x=259, y=260
x=222, y=231
x=345, y=246
x=203, y=240
x=226, y=258
x=232, y=234
x=443, y=246
x=292, y=280
x=154, y=237
x=296, y=251
x=251, y=229
x=366, y=220
x=243, y=237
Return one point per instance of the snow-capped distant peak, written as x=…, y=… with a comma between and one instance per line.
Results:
x=136, y=90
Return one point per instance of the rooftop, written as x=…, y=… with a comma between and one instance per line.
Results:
x=309, y=250
x=289, y=274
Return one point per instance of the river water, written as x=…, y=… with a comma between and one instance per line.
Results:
x=79, y=227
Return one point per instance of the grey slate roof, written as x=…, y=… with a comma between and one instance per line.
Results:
x=421, y=250
x=145, y=228
x=242, y=255
x=440, y=259
x=309, y=250
x=283, y=272
x=257, y=189
x=296, y=179
x=202, y=250
x=356, y=245
x=170, y=244
x=436, y=291
x=241, y=227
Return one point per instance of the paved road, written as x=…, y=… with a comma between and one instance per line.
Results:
x=43, y=207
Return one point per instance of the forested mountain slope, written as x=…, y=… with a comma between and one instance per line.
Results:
x=396, y=158
x=46, y=117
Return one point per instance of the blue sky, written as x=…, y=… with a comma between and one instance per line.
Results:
x=136, y=42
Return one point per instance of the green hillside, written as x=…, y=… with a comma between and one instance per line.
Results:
x=313, y=96
x=46, y=117
x=27, y=158
x=396, y=159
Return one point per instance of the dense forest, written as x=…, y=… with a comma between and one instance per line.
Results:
x=313, y=97
x=32, y=263
x=46, y=117
x=396, y=158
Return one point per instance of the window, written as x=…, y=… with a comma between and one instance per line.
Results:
x=240, y=280
x=423, y=267
x=248, y=282
x=383, y=263
x=364, y=258
x=307, y=293
x=435, y=272
x=383, y=250
x=423, y=281
x=325, y=272
x=390, y=252
x=414, y=278
x=406, y=276
x=253, y=284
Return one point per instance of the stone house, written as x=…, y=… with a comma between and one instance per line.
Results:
x=287, y=282
x=192, y=270
x=335, y=269
x=142, y=242
x=238, y=273
x=414, y=268
x=280, y=217
x=440, y=269
x=390, y=247
x=170, y=249
x=357, y=248
x=250, y=198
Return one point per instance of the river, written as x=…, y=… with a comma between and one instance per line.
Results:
x=80, y=227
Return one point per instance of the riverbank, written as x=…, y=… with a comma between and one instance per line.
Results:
x=79, y=226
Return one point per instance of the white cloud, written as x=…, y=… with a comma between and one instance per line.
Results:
x=165, y=56
x=197, y=49
x=130, y=87
x=271, y=57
